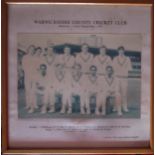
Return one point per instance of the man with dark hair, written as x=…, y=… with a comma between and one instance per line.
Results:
x=121, y=48
x=38, y=51
x=93, y=87
x=58, y=83
x=77, y=84
x=68, y=61
x=43, y=85
x=50, y=55
x=122, y=66
x=111, y=88
x=68, y=58
x=28, y=67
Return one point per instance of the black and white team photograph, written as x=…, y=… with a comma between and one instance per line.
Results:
x=79, y=75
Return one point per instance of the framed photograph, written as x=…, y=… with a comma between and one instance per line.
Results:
x=77, y=77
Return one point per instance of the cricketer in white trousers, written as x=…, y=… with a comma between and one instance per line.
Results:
x=68, y=61
x=93, y=87
x=29, y=78
x=50, y=61
x=58, y=81
x=111, y=88
x=77, y=89
x=45, y=84
x=48, y=96
x=122, y=65
x=85, y=60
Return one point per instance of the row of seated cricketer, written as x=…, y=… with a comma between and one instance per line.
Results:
x=48, y=74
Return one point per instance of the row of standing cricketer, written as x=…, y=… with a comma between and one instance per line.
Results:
x=48, y=73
